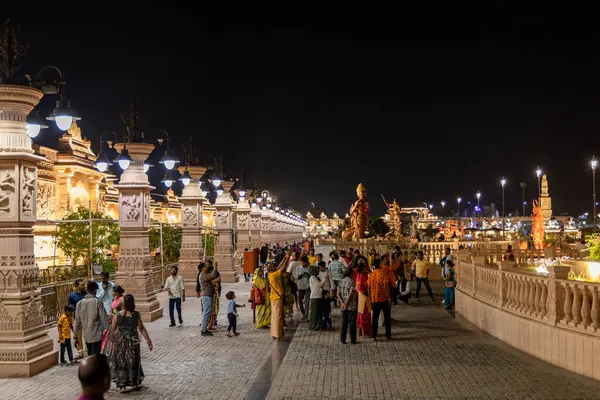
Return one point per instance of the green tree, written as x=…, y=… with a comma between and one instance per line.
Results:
x=209, y=239
x=171, y=241
x=74, y=237
x=593, y=245
x=377, y=227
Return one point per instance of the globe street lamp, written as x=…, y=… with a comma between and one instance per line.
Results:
x=169, y=160
x=594, y=164
x=538, y=173
x=503, y=183
x=523, y=187
x=478, y=195
x=123, y=159
x=458, y=200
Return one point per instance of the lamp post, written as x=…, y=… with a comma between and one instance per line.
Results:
x=478, y=195
x=594, y=164
x=458, y=200
x=523, y=187
x=538, y=173
x=503, y=183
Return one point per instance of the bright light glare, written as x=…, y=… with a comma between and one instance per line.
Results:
x=169, y=164
x=124, y=163
x=102, y=166
x=146, y=167
x=186, y=181
x=168, y=182
x=63, y=122
x=33, y=130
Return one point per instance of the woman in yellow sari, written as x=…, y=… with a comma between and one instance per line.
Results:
x=262, y=302
x=277, y=297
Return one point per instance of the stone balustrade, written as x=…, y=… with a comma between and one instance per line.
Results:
x=550, y=317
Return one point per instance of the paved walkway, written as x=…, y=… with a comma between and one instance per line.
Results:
x=431, y=357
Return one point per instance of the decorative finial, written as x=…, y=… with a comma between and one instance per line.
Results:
x=12, y=52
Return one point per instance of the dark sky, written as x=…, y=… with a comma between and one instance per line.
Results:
x=415, y=106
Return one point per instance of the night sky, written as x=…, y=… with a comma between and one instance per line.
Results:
x=416, y=107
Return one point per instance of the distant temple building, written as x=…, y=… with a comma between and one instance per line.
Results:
x=67, y=180
x=545, y=199
x=323, y=225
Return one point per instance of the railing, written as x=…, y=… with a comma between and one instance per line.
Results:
x=55, y=296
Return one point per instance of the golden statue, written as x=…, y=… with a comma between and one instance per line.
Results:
x=359, y=216
x=537, y=230
x=394, y=213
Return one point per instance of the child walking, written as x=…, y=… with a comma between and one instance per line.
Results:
x=65, y=326
x=232, y=313
x=450, y=282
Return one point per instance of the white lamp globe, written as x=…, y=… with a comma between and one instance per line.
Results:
x=33, y=130
x=124, y=163
x=63, y=122
x=102, y=166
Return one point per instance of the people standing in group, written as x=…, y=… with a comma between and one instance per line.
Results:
x=232, y=313
x=277, y=297
x=312, y=258
x=379, y=283
x=343, y=258
x=105, y=291
x=94, y=377
x=450, y=284
x=65, y=326
x=336, y=269
x=325, y=277
x=421, y=271
x=217, y=294
x=206, y=290
x=316, y=299
x=348, y=299
x=126, y=364
x=302, y=277
x=443, y=262
x=261, y=300
x=91, y=317
x=75, y=297
x=361, y=278
x=176, y=292
x=290, y=291
x=115, y=307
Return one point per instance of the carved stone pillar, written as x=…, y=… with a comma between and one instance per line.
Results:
x=135, y=263
x=224, y=239
x=265, y=227
x=255, y=227
x=192, y=250
x=25, y=347
x=243, y=231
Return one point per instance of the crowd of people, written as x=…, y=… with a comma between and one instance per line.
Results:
x=294, y=278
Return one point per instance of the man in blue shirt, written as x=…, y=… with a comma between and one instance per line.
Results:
x=75, y=297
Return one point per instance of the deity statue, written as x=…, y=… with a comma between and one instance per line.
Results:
x=394, y=216
x=359, y=216
x=537, y=230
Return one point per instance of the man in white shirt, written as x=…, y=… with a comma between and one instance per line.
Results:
x=176, y=290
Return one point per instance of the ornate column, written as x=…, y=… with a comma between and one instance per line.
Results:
x=135, y=263
x=265, y=227
x=224, y=241
x=255, y=227
x=192, y=250
x=25, y=347
x=242, y=213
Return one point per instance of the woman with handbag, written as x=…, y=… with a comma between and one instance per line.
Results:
x=261, y=303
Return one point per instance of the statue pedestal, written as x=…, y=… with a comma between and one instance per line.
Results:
x=135, y=273
x=25, y=347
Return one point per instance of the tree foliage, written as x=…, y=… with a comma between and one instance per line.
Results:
x=377, y=227
x=593, y=245
x=74, y=237
x=171, y=241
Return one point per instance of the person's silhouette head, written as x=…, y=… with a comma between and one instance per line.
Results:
x=94, y=375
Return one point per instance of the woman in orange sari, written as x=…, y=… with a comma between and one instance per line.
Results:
x=363, y=319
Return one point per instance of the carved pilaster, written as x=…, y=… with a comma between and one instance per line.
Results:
x=25, y=347
x=135, y=263
x=224, y=239
x=243, y=222
x=255, y=227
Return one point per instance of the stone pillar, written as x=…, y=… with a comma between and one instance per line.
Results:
x=242, y=220
x=192, y=250
x=135, y=263
x=25, y=347
x=223, y=240
x=265, y=234
x=556, y=293
x=255, y=227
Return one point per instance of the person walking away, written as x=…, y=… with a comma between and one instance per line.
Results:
x=325, y=277
x=379, y=291
x=348, y=299
x=302, y=276
x=450, y=283
x=91, y=317
x=65, y=326
x=277, y=297
x=94, y=377
x=232, y=313
x=105, y=292
x=126, y=364
x=336, y=269
x=75, y=297
x=404, y=289
x=421, y=270
x=261, y=299
x=206, y=289
x=316, y=299
x=176, y=291
x=363, y=318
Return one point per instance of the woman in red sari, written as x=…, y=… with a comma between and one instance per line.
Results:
x=363, y=319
